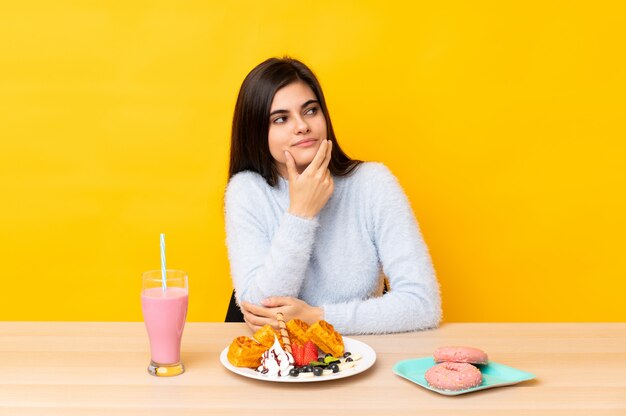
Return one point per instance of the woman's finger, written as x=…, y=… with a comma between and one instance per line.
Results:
x=326, y=178
x=255, y=319
x=252, y=327
x=327, y=156
x=292, y=172
x=319, y=158
x=258, y=310
x=275, y=301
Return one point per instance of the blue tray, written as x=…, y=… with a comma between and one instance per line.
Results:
x=494, y=375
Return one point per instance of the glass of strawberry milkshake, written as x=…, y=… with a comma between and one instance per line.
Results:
x=164, y=307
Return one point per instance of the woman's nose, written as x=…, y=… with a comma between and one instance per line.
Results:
x=301, y=126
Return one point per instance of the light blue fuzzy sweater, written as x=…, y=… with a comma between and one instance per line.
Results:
x=335, y=260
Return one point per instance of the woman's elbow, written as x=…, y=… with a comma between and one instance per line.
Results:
x=429, y=315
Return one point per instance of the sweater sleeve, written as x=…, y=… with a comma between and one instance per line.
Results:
x=413, y=302
x=263, y=265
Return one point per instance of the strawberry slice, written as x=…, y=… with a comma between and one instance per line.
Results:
x=297, y=351
x=310, y=352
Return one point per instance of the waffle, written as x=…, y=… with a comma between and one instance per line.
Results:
x=265, y=336
x=245, y=352
x=297, y=331
x=326, y=338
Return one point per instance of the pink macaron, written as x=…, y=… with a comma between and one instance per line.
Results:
x=460, y=355
x=453, y=376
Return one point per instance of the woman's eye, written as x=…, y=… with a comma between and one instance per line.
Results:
x=311, y=110
x=279, y=120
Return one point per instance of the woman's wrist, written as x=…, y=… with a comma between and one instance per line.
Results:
x=319, y=313
x=312, y=314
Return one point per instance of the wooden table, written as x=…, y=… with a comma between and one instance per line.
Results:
x=98, y=368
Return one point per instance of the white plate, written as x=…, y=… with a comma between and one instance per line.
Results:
x=368, y=358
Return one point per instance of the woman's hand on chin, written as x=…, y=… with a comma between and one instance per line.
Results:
x=310, y=190
x=256, y=316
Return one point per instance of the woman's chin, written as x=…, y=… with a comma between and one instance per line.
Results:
x=304, y=160
x=302, y=165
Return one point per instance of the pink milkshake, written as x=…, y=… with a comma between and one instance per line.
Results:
x=164, y=313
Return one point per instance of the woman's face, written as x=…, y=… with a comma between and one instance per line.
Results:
x=297, y=125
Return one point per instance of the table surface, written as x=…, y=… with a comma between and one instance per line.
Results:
x=99, y=368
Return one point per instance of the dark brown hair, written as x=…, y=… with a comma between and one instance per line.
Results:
x=249, y=147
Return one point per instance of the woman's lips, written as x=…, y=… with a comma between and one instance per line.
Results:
x=306, y=143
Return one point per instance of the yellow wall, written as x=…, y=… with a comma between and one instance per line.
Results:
x=504, y=123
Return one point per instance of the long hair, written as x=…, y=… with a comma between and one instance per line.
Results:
x=249, y=147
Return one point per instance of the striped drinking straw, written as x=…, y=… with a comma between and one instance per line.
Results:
x=163, y=269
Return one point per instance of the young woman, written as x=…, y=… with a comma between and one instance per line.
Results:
x=310, y=232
